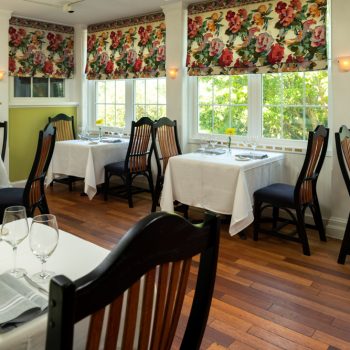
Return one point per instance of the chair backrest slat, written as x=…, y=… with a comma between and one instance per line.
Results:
x=138, y=154
x=3, y=125
x=34, y=188
x=64, y=127
x=143, y=281
x=342, y=142
x=314, y=158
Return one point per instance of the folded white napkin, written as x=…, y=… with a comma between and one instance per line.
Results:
x=18, y=302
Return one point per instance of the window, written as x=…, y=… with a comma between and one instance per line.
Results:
x=150, y=98
x=118, y=102
x=39, y=87
x=275, y=106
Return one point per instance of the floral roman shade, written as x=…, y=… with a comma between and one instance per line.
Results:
x=251, y=36
x=40, y=49
x=127, y=48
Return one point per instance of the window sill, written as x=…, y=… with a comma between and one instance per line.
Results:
x=35, y=104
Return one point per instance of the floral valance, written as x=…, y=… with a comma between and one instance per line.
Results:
x=251, y=36
x=40, y=49
x=127, y=48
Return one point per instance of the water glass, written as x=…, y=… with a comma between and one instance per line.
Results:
x=13, y=231
x=43, y=240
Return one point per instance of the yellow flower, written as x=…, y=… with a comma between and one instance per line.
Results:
x=262, y=8
x=99, y=121
x=230, y=131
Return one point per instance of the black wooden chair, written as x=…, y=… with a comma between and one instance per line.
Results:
x=166, y=145
x=342, y=141
x=137, y=162
x=152, y=262
x=64, y=131
x=32, y=196
x=299, y=197
x=3, y=125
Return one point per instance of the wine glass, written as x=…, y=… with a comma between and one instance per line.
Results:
x=13, y=231
x=253, y=140
x=43, y=239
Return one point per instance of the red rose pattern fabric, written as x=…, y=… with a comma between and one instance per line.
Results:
x=265, y=37
x=135, y=51
x=35, y=52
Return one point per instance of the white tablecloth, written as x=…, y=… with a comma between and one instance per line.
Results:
x=219, y=183
x=4, y=179
x=73, y=257
x=85, y=159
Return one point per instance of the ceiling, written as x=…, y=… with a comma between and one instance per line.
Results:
x=85, y=12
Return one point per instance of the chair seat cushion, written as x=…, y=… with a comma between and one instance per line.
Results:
x=115, y=168
x=280, y=195
x=8, y=197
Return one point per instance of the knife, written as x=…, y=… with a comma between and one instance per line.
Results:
x=35, y=285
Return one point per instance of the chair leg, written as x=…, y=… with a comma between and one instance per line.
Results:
x=128, y=183
x=70, y=184
x=151, y=187
x=316, y=212
x=257, y=215
x=106, y=186
x=345, y=245
x=302, y=232
x=157, y=192
x=275, y=216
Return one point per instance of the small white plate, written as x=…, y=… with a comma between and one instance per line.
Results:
x=241, y=158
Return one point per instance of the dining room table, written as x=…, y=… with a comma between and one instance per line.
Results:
x=74, y=257
x=219, y=180
x=4, y=179
x=86, y=159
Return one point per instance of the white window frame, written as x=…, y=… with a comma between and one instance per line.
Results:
x=255, y=118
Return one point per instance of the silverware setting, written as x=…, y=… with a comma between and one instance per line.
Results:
x=35, y=285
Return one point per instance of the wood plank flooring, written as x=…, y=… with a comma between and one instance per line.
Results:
x=268, y=295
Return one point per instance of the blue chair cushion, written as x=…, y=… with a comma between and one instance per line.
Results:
x=279, y=195
x=10, y=196
x=115, y=168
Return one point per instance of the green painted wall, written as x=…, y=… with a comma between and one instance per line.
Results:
x=24, y=127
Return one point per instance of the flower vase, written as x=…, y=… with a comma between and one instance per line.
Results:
x=100, y=134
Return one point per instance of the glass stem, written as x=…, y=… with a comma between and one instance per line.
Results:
x=43, y=269
x=14, y=259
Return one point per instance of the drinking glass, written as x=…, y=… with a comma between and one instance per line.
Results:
x=253, y=140
x=43, y=239
x=13, y=231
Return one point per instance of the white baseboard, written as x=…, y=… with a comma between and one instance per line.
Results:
x=21, y=183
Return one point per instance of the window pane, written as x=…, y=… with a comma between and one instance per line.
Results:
x=272, y=88
x=100, y=112
x=100, y=92
x=221, y=119
x=140, y=86
x=151, y=91
x=22, y=87
x=205, y=119
x=205, y=89
x=316, y=88
x=110, y=91
x=293, y=88
x=272, y=125
x=239, y=119
x=56, y=87
x=162, y=91
x=315, y=116
x=239, y=89
x=140, y=111
x=40, y=87
x=221, y=90
x=120, y=91
x=151, y=112
x=110, y=115
x=293, y=123
x=161, y=111
x=120, y=116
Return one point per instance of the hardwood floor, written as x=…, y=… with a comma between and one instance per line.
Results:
x=268, y=295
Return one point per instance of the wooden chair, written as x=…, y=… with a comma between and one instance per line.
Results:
x=64, y=131
x=32, y=196
x=342, y=141
x=152, y=263
x=137, y=162
x=299, y=197
x=3, y=125
x=166, y=145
